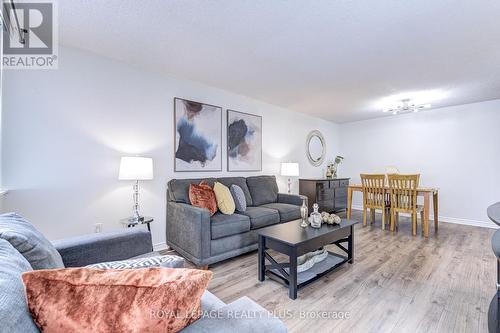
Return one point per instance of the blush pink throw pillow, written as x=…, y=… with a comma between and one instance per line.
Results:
x=108, y=300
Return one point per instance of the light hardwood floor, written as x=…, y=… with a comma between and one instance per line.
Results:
x=398, y=283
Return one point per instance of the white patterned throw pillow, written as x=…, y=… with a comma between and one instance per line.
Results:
x=239, y=198
x=158, y=261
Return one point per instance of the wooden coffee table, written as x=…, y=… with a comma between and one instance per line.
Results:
x=293, y=240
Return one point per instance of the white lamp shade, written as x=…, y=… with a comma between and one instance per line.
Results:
x=290, y=169
x=136, y=168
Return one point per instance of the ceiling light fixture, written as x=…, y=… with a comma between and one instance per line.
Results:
x=406, y=105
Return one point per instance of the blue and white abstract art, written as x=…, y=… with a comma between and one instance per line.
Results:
x=244, y=141
x=198, y=136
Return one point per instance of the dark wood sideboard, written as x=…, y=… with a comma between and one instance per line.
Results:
x=330, y=194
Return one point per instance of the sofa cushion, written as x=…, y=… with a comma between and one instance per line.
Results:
x=225, y=201
x=240, y=201
x=14, y=314
x=178, y=189
x=287, y=212
x=241, y=182
x=261, y=216
x=242, y=315
x=226, y=225
x=109, y=300
x=203, y=196
x=28, y=241
x=210, y=302
x=263, y=189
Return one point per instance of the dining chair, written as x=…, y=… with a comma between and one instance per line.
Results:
x=390, y=169
x=374, y=196
x=403, y=192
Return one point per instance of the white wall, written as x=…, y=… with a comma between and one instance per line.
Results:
x=65, y=130
x=456, y=149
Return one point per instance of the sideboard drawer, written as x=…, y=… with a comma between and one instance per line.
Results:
x=320, y=186
x=344, y=182
x=334, y=183
x=323, y=195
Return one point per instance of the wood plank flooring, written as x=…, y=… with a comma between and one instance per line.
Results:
x=398, y=283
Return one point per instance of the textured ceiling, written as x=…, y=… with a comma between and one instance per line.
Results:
x=338, y=60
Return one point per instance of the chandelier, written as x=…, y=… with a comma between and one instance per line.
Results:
x=405, y=106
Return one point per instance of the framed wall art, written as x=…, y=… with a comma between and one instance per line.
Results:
x=198, y=136
x=244, y=141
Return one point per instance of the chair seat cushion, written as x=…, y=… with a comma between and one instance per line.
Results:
x=222, y=225
x=262, y=216
x=287, y=212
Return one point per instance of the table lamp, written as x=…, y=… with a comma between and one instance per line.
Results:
x=290, y=169
x=136, y=168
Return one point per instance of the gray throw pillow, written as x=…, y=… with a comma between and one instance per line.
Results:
x=14, y=313
x=158, y=261
x=239, y=198
x=28, y=241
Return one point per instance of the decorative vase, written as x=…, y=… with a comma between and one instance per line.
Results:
x=329, y=174
x=315, y=218
x=303, y=213
x=334, y=171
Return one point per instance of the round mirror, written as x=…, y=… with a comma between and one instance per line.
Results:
x=315, y=148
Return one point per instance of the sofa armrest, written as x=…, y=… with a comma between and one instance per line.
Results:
x=242, y=315
x=95, y=248
x=188, y=231
x=292, y=199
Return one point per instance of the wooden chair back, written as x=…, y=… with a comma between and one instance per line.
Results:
x=389, y=170
x=403, y=189
x=373, y=190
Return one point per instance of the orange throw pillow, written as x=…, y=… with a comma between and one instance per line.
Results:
x=109, y=300
x=203, y=196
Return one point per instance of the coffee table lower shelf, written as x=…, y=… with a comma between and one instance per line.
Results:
x=329, y=264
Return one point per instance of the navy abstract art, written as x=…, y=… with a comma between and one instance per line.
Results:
x=198, y=136
x=244, y=141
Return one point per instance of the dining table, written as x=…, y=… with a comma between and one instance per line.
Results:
x=425, y=192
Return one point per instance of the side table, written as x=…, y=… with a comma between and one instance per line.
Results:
x=147, y=220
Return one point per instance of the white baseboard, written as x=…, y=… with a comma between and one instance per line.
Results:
x=447, y=219
x=160, y=246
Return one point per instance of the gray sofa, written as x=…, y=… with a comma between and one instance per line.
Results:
x=95, y=248
x=205, y=239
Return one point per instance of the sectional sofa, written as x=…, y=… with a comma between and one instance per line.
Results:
x=95, y=248
x=205, y=239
